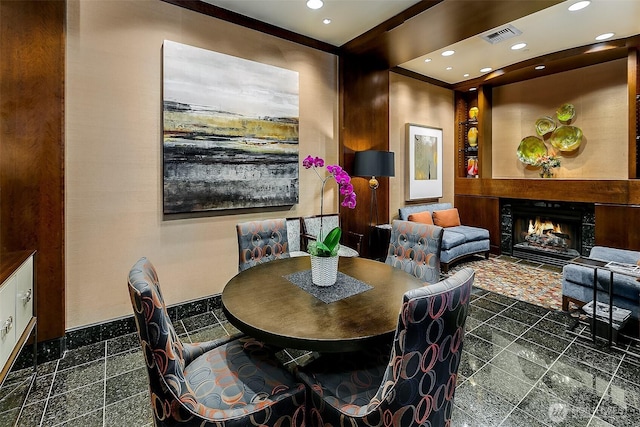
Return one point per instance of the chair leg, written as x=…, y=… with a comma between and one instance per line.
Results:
x=486, y=255
x=444, y=266
x=565, y=303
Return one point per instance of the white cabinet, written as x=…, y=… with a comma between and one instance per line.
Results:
x=17, y=317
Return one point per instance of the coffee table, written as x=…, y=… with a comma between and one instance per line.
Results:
x=261, y=302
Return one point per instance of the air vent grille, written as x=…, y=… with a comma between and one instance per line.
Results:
x=501, y=34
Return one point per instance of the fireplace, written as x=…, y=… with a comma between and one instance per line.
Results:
x=546, y=232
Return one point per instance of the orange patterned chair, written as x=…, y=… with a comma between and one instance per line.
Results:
x=261, y=241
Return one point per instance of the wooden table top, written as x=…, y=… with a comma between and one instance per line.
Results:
x=262, y=303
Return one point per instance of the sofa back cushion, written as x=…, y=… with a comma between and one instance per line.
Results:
x=423, y=217
x=404, y=212
x=605, y=253
x=446, y=218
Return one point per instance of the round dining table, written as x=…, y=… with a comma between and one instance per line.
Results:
x=262, y=302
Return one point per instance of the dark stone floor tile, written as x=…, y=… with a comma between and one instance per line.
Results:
x=480, y=314
x=78, y=376
x=501, y=383
x=500, y=299
x=518, y=366
x=93, y=419
x=521, y=316
x=489, y=305
x=470, y=364
x=482, y=404
x=230, y=329
x=533, y=352
x=617, y=413
x=461, y=418
x=82, y=355
x=545, y=339
x=132, y=411
x=41, y=390
x=9, y=418
x=624, y=392
x=588, y=375
x=208, y=333
x=597, y=422
x=475, y=345
x=31, y=415
x=574, y=392
x=125, y=362
x=200, y=321
x=13, y=395
x=554, y=328
x=126, y=385
x=471, y=324
x=123, y=343
x=64, y=407
x=509, y=325
x=531, y=308
x=585, y=353
x=559, y=317
x=553, y=410
x=629, y=371
x=495, y=336
x=519, y=418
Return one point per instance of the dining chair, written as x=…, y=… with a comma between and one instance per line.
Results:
x=229, y=382
x=415, y=248
x=351, y=242
x=294, y=237
x=261, y=241
x=409, y=382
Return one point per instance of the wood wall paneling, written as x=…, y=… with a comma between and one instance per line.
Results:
x=364, y=125
x=617, y=226
x=481, y=212
x=32, y=146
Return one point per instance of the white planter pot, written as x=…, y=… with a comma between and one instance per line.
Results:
x=324, y=270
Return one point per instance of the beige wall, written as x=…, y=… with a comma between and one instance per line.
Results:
x=113, y=152
x=599, y=94
x=417, y=102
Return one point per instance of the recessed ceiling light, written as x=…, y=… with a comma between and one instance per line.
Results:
x=540, y=67
x=605, y=36
x=315, y=4
x=579, y=5
x=449, y=68
x=471, y=89
x=448, y=52
x=427, y=60
x=518, y=46
x=326, y=21
x=465, y=75
x=485, y=69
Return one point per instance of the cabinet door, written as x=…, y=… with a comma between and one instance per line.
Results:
x=24, y=296
x=7, y=318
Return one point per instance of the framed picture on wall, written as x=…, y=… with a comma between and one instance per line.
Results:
x=230, y=136
x=424, y=162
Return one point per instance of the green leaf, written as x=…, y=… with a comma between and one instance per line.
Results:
x=332, y=239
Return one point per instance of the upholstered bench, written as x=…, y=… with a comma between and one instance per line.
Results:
x=458, y=241
x=577, y=281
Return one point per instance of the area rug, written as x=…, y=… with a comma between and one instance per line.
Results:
x=537, y=284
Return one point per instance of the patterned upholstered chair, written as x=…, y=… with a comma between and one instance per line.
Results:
x=415, y=248
x=351, y=242
x=261, y=241
x=229, y=382
x=413, y=384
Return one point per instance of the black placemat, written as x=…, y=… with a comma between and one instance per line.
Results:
x=344, y=287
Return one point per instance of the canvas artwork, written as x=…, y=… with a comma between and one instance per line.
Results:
x=424, y=162
x=230, y=137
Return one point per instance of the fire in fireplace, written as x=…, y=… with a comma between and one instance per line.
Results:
x=547, y=232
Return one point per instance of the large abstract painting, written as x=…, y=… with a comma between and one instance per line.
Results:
x=230, y=132
x=424, y=162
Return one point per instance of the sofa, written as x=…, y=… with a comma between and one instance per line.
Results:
x=577, y=281
x=458, y=241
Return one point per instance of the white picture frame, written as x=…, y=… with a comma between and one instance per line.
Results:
x=423, y=162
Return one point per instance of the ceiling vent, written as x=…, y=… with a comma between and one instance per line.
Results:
x=501, y=34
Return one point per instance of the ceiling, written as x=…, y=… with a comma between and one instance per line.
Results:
x=550, y=30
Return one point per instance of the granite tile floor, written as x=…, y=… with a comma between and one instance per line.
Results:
x=519, y=368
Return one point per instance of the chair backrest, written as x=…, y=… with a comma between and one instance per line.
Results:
x=311, y=224
x=415, y=248
x=261, y=241
x=294, y=233
x=163, y=350
x=426, y=352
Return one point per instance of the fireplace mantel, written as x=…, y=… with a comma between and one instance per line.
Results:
x=619, y=192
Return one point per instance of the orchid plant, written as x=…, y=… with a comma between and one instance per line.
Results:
x=329, y=245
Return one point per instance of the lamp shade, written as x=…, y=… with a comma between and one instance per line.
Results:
x=373, y=163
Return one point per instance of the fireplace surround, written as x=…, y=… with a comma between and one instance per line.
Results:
x=546, y=231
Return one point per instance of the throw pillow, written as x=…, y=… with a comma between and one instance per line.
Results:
x=423, y=217
x=446, y=217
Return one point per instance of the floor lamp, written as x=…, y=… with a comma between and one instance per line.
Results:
x=372, y=164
